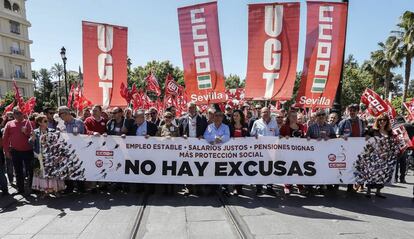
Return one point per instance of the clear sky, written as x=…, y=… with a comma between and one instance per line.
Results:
x=153, y=29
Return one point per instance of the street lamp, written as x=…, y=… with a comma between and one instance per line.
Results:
x=63, y=55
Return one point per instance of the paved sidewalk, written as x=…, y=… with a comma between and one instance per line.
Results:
x=113, y=216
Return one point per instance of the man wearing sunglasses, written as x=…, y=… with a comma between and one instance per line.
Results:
x=118, y=124
x=154, y=116
x=16, y=146
x=50, y=112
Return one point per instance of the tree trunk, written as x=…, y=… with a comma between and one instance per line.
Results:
x=406, y=78
x=387, y=85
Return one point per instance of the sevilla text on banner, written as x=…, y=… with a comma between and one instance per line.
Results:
x=325, y=42
x=201, y=52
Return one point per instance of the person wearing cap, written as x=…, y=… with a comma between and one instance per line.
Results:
x=73, y=126
x=352, y=126
x=16, y=146
x=168, y=129
x=320, y=129
x=174, y=120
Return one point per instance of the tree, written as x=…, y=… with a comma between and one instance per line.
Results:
x=385, y=59
x=405, y=36
x=46, y=86
x=57, y=71
x=355, y=80
x=233, y=82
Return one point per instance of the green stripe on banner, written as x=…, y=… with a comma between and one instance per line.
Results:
x=318, y=85
x=204, y=86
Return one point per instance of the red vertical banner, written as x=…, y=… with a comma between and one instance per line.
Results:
x=272, y=50
x=325, y=42
x=104, y=63
x=201, y=52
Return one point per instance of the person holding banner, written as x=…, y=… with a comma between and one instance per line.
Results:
x=292, y=129
x=320, y=129
x=352, y=126
x=117, y=125
x=40, y=183
x=265, y=126
x=238, y=128
x=154, y=116
x=217, y=132
x=383, y=132
x=192, y=125
x=168, y=129
x=71, y=126
x=141, y=127
x=96, y=124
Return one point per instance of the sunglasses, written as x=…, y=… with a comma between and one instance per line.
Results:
x=45, y=121
x=153, y=113
x=168, y=117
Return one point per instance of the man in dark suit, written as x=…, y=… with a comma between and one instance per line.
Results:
x=192, y=124
x=141, y=127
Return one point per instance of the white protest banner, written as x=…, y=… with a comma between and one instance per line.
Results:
x=192, y=161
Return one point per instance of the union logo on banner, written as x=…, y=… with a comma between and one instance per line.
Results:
x=104, y=62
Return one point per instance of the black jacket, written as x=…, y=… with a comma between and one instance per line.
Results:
x=200, y=127
x=151, y=129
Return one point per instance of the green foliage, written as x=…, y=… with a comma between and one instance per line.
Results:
x=355, y=80
x=233, y=82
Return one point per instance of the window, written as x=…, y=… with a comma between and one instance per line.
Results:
x=15, y=48
x=7, y=4
x=14, y=27
x=21, y=91
x=18, y=71
x=16, y=7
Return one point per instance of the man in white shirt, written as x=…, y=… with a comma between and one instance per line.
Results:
x=265, y=126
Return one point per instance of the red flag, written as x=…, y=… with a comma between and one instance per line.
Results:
x=17, y=97
x=104, y=62
x=375, y=105
x=172, y=87
x=8, y=108
x=29, y=106
x=273, y=48
x=201, y=53
x=325, y=42
x=152, y=84
x=410, y=108
x=124, y=92
x=71, y=92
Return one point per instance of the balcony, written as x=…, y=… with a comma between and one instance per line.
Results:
x=16, y=51
x=18, y=75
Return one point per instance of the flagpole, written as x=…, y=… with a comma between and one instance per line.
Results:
x=337, y=102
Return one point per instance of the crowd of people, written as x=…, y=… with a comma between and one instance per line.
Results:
x=21, y=141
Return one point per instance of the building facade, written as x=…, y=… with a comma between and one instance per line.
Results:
x=15, y=60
